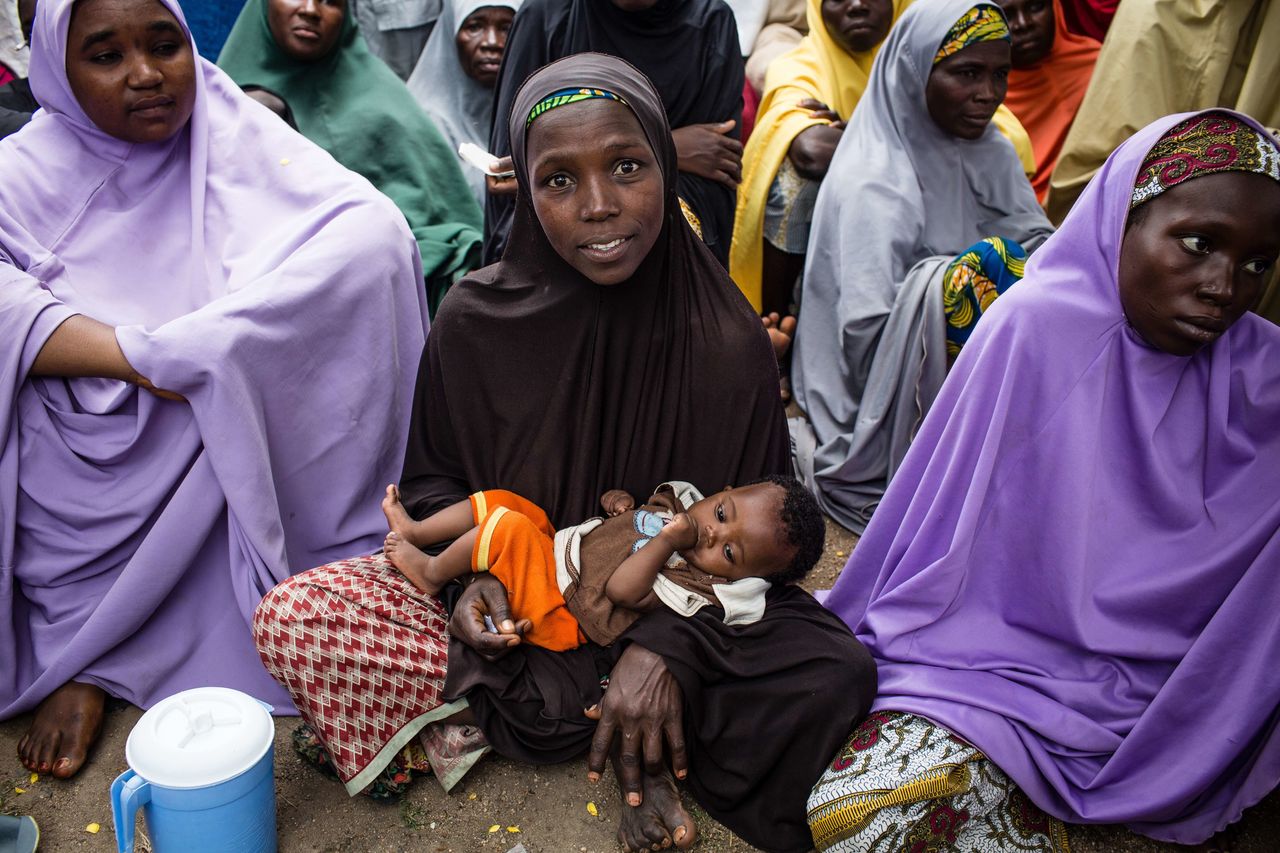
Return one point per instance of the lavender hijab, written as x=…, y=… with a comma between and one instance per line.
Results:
x=244, y=269
x=1075, y=568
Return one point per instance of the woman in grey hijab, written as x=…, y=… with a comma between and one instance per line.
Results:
x=455, y=76
x=919, y=179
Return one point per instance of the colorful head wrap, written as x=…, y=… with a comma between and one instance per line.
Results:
x=981, y=23
x=568, y=96
x=1203, y=145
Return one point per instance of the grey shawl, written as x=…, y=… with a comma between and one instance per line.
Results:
x=460, y=107
x=901, y=200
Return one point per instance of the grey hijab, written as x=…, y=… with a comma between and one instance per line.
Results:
x=901, y=200
x=460, y=107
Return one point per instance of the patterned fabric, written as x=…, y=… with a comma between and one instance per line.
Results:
x=981, y=23
x=363, y=653
x=1208, y=143
x=901, y=784
x=568, y=96
x=692, y=218
x=788, y=212
x=389, y=784
x=973, y=281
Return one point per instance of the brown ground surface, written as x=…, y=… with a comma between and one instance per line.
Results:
x=547, y=805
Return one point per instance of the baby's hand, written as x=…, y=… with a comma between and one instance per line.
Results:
x=680, y=533
x=616, y=502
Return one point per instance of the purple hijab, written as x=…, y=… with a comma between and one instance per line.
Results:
x=244, y=269
x=1076, y=567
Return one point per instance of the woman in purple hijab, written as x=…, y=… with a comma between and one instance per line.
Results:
x=1070, y=587
x=160, y=230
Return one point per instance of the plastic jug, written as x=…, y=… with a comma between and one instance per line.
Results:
x=200, y=768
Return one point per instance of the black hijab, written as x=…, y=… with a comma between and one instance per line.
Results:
x=690, y=51
x=538, y=380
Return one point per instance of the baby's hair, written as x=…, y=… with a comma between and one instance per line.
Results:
x=803, y=528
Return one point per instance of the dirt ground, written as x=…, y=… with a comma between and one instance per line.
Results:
x=545, y=809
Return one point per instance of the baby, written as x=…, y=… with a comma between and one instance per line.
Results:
x=592, y=581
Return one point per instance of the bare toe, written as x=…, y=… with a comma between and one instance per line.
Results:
x=65, y=728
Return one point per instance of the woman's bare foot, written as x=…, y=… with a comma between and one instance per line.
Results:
x=398, y=520
x=410, y=562
x=66, y=726
x=660, y=820
x=781, y=330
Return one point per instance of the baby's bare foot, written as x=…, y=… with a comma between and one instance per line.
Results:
x=397, y=519
x=411, y=562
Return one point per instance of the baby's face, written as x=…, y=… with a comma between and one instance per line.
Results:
x=738, y=535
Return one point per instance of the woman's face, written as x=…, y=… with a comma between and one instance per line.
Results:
x=857, y=25
x=596, y=187
x=306, y=30
x=481, y=40
x=131, y=68
x=965, y=89
x=1032, y=27
x=1196, y=257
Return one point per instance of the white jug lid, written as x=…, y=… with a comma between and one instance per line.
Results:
x=199, y=737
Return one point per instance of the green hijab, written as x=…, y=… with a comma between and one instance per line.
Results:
x=358, y=110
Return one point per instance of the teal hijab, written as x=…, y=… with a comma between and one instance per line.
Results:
x=357, y=109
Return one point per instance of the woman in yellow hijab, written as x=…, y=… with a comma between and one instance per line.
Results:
x=809, y=93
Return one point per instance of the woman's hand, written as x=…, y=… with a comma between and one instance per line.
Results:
x=501, y=186
x=616, y=502
x=145, y=384
x=486, y=596
x=812, y=149
x=642, y=704
x=707, y=151
x=817, y=109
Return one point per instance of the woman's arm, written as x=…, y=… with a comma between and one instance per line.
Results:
x=82, y=346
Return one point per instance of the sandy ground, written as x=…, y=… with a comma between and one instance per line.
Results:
x=545, y=808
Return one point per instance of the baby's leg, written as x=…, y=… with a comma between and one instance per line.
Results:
x=449, y=523
x=428, y=573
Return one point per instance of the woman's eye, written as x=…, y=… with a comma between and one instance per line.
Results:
x=105, y=58
x=1195, y=245
x=626, y=167
x=166, y=49
x=1257, y=266
x=558, y=181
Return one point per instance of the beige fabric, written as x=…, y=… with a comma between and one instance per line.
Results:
x=1170, y=56
x=783, y=28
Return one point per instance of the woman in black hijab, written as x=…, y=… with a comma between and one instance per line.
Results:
x=545, y=375
x=689, y=49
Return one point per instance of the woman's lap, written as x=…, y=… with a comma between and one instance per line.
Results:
x=901, y=783
x=363, y=653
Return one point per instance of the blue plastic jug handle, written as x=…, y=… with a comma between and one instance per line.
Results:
x=128, y=793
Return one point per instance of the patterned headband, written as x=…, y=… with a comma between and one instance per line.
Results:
x=981, y=23
x=569, y=96
x=1204, y=145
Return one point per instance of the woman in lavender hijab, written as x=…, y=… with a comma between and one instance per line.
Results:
x=1070, y=586
x=210, y=332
